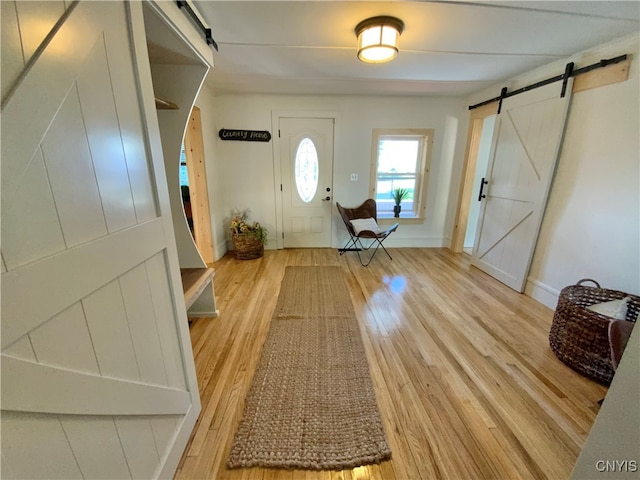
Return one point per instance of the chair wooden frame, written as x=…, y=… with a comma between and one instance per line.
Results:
x=367, y=210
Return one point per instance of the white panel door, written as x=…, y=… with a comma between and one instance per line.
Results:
x=526, y=144
x=98, y=378
x=306, y=149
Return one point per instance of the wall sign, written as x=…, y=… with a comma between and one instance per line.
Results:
x=245, y=135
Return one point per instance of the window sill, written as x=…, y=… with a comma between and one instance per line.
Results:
x=404, y=219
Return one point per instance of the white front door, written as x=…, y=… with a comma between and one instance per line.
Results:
x=98, y=378
x=526, y=145
x=306, y=162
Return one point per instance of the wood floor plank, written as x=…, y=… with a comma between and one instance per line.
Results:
x=465, y=380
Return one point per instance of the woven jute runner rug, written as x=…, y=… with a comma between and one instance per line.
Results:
x=311, y=404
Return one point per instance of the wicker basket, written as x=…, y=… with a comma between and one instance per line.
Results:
x=579, y=337
x=247, y=247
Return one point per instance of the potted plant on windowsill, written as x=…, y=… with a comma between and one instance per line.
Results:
x=248, y=239
x=399, y=194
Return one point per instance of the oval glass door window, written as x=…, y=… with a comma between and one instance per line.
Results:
x=306, y=170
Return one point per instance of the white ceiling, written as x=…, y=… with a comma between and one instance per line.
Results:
x=447, y=48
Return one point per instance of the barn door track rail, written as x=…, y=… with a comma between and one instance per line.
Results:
x=568, y=73
x=196, y=19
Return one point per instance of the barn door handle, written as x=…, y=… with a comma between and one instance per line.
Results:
x=483, y=182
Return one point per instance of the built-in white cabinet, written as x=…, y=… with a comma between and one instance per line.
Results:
x=179, y=63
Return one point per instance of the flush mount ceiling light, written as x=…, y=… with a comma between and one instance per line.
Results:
x=378, y=39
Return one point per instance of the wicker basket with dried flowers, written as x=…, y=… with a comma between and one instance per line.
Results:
x=248, y=238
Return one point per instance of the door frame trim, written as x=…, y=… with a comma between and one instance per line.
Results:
x=198, y=187
x=467, y=179
x=276, y=115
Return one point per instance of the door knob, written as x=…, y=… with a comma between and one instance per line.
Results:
x=326, y=199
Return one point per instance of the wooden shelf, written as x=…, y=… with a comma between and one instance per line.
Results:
x=194, y=281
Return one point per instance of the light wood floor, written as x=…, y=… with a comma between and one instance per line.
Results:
x=466, y=383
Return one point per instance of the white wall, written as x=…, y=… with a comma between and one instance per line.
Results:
x=591, y=227
x=246, y=174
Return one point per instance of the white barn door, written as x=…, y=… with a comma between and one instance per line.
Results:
x=526, y=144
x=97, y=369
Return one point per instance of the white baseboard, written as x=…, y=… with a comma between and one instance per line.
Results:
x=542, y=293
x=207, y=313
x=434, y=242
x=221, y=249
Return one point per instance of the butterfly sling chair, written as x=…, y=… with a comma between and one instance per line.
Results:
x=361, y=223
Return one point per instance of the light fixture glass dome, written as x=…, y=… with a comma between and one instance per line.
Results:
x=378, y=39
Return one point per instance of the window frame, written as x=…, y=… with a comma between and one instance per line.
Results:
x=422, y=172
